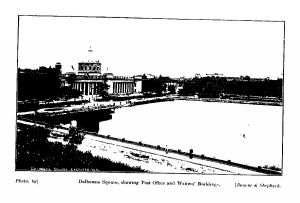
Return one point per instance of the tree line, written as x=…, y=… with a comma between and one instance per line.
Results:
x=219, y=86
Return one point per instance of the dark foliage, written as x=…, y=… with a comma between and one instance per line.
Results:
x=35, y=152
x=74, y=136
x=42, y=83
x=68, y=92
x=216, y=86
x=102, y=89
x=155, y=85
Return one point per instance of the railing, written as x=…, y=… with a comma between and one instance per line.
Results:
x=190, y=154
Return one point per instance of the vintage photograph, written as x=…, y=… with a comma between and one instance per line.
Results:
x=149, y=95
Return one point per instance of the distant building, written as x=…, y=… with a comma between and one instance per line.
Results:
x=89, y=85
x=90, y=80
x=64, y=78
x=214, y=75
x=89, y=68
x=58, y=66
x=197, y=75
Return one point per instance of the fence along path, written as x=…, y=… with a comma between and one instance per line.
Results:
x=64, y=130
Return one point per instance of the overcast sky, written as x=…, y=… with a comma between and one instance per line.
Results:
x=168, y=47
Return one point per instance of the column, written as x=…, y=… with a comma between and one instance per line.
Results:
x=83, y=86
x=130, y=88
x=96, y=88
x=86, y=88
x=93, y=88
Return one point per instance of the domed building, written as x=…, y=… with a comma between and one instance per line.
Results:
x=89, y=66
x=89, y=78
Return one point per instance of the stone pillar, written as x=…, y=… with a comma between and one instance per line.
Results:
x=92, y=88
x=86, y=88
x=132, y=87
x=96, y=88
x=83, y=88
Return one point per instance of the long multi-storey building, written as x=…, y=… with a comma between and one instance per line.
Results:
x=89, y=80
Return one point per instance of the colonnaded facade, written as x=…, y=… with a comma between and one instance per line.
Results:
x=89, y=80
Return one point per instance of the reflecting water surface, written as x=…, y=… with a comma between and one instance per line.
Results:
x=248, y=134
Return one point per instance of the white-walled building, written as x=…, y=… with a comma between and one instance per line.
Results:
x=89, y=78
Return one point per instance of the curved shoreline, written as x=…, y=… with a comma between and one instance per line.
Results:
x=236, y=101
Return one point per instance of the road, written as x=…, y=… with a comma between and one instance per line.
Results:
x=152, y=160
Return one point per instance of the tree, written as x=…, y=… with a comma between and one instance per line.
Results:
x=172, y=89
x=103, y=89
x=74, y=136
x=71, y=79
x=144, y=76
